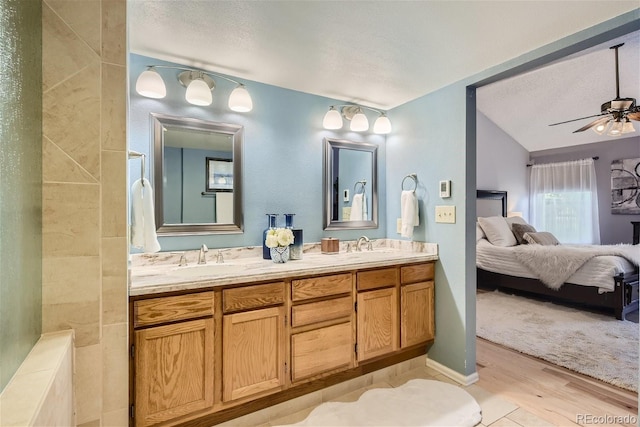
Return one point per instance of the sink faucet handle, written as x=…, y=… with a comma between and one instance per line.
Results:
x=183, y=259
x=370, y=245
x=219, y=257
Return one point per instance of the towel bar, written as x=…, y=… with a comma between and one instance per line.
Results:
x=414, y=177
x=362, y=182
x=135, y=155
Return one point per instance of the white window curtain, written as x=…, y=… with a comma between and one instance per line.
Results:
x=563, y=200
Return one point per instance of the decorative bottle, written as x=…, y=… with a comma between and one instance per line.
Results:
x=295, y=248
x=266, y=252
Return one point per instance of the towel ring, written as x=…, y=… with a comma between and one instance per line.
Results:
x=135, y=155
x=414, y=177
x=363, y=183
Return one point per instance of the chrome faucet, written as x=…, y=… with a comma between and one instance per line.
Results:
x=359, y=242
x=202, y=258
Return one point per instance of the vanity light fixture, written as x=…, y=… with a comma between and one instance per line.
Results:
x=199, y=86
x=359, y=121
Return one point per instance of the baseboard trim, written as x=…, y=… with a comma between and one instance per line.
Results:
x=454, y=375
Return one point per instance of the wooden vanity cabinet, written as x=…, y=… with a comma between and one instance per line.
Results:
x=322, y=326
x=377, y=313
x=253, y=341
x=417, y=323
x=174, y=358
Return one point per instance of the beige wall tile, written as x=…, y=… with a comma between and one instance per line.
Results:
x=88, y=383
x=70, y=220
x=71, y=297
x=92, y=423
x=114, y=280
x=114, y=191
x=57, y=166
x=114, y=41
x=63, y=52
x=71, y=117
x=114, y=105
x=81, y=16
x=115, y=367
x=119, y=418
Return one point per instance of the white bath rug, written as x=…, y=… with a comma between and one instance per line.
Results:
x=415, y=403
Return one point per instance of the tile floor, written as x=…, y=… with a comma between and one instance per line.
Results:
x=496, y=412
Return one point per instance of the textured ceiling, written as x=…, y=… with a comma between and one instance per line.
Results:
x=377, y=53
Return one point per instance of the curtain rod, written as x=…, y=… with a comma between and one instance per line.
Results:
x=531, y=164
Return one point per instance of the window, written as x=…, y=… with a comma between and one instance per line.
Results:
x=564, y=201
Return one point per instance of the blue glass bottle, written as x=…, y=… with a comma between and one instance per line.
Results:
x=266, y=252
x=295, y=250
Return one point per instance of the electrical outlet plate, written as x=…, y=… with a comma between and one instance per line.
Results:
x=399, y=225
x=446, y=214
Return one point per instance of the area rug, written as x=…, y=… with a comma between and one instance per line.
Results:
x=416, y=403
x=592, y=344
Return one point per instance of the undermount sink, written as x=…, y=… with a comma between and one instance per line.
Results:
x=207, y=270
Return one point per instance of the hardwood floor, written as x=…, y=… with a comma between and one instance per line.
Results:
x=553, y=393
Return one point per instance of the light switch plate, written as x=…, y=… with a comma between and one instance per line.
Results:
x=446, y=214
x=346, y=213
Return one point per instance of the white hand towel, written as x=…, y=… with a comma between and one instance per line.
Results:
x=143, y=222
x=356, y=208
x=408, y=213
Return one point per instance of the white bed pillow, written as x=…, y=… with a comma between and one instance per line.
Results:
x=479, y=233
x=497, y=230
x=515, y=220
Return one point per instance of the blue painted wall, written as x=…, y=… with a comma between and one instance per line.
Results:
x=282, y=154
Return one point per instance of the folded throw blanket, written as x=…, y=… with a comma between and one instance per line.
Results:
x=553, y=265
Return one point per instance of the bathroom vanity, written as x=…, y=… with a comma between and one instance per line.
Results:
x=213, y=342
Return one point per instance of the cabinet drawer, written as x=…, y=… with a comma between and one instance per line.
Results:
x=377, y=278
x=168, y=309
x=248, y=297
x=416, y=273
x=306, y=314
x=322, y=286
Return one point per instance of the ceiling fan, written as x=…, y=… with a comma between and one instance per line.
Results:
x=615, y=115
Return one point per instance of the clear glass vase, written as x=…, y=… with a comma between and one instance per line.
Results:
x=296, y=247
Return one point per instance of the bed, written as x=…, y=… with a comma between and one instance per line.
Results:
x=604, y=282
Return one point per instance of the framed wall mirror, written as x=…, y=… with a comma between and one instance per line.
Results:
x=197, y=170
x=350, y=185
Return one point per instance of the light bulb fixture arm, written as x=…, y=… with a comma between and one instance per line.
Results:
x=195, y=71
x=382, y=113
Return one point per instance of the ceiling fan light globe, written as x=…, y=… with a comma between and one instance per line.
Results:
x=602, y=128
x=627, y=127
x=616, y=129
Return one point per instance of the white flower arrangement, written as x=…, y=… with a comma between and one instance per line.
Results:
x=278, y=237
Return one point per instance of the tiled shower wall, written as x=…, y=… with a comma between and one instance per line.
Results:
x=84, y=224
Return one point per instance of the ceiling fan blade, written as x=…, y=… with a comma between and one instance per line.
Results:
x=581, y=118
x=596, y=122
x=634, y=116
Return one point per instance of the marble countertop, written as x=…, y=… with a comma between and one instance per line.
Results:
x=158, y=273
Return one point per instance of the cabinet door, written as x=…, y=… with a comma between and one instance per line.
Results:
x=252, y=352
x=174, y=370
x=417, y=322
x=321, y=350
x=377, y=323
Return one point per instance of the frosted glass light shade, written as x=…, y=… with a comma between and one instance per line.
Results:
x=359, y=122
x=382, y=125
x=332, y=120
x=627, y=127
x=616, y=129
x=151, y=85
x=240, y=100
x=602, y=127
x=198, y=93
